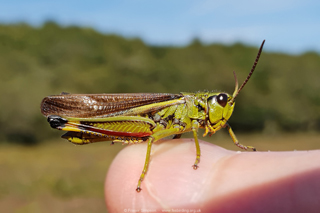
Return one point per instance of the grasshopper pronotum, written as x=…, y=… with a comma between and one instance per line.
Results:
x=142, y=117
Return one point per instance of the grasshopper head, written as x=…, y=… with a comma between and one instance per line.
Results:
x=221, y=105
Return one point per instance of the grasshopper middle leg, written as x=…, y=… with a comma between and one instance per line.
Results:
x=195, y=127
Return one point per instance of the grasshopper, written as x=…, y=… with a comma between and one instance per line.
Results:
x=142, y=117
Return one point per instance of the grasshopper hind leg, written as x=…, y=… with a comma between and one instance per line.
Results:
x=56, y=121
x=155, y=137
x=146, y=164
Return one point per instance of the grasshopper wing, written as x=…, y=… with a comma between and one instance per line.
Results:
x=107, y=105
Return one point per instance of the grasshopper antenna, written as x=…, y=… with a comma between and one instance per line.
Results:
x=236, y=91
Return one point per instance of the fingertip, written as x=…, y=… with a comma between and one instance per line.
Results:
x=222, y=178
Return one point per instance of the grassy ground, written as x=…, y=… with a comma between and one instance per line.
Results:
x=61, y=177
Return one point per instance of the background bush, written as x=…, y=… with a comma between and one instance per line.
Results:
x=283, y=94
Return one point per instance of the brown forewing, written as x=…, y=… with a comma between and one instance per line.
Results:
x=95, y=105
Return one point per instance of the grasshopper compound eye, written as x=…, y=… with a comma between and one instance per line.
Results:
x=222, y=99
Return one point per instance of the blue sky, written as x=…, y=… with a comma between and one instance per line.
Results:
x=291, y=26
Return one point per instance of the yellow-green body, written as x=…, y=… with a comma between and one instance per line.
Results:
x=147, y=123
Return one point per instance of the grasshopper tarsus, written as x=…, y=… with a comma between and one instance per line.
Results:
x=138, y=189
x=195, y=167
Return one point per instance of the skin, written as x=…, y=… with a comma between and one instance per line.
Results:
x=226, y=181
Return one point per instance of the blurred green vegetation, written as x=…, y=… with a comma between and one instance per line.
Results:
x=282, y=95
x=54, y=177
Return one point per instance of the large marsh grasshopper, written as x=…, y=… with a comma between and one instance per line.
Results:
x=142, y=117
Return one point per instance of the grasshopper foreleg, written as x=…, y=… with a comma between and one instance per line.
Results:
x=235, y=140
